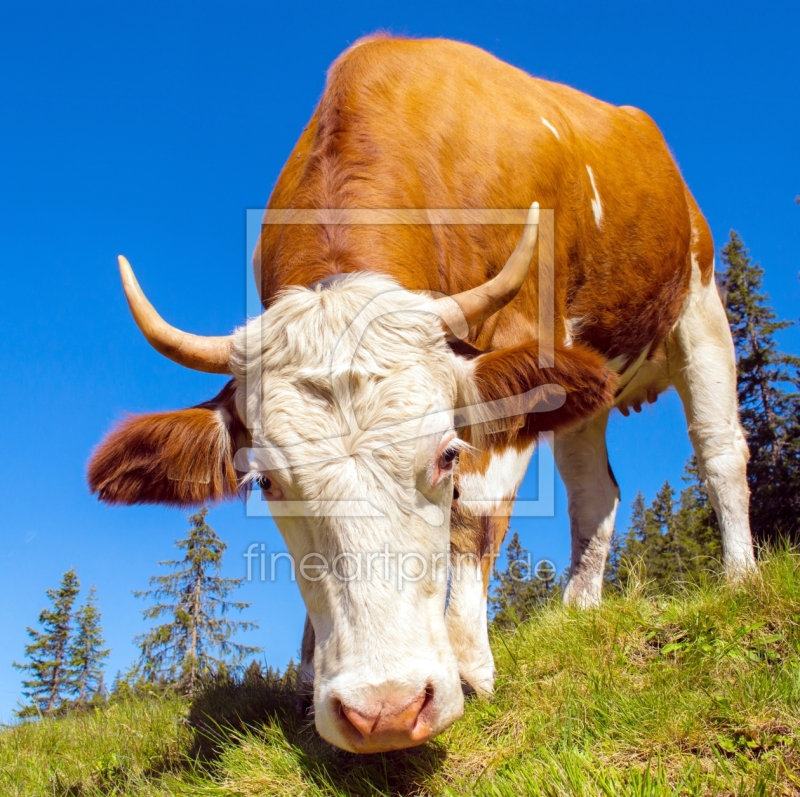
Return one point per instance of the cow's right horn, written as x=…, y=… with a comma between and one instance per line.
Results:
x=209, y=354
x=477, y=304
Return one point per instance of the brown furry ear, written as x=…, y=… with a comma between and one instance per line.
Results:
x=180, y=458
x=579, y=371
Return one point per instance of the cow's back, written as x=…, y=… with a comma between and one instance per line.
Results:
x=438, y=124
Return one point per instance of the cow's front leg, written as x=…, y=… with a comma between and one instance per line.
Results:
x=593, y=498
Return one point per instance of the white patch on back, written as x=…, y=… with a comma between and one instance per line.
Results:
x=551, y=128
x=484, y=492
x=597, y=207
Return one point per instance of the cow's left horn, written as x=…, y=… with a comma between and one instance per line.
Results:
x=478, y=303
x=209, y=354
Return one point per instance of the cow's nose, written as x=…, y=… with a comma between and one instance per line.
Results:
x=392, y=724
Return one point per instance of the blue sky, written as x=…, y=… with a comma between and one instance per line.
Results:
x=149, y=129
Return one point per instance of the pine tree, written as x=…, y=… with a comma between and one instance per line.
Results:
x=615, y=561
x=521, y=587
x=674, y=543
x=664, y=560
x=86, y=654
x=131, y=683
x=646, y=542
x=769, y=412
x=696, y=527
x=630, y=550
x=49, y=666
x=184, y=647
x=511, y=589
x=683, y=543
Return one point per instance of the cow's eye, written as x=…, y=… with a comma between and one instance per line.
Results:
x=264, y=483
x=448, y=458
x=270, y=489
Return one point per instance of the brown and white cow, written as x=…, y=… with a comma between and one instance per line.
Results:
x=349, y=387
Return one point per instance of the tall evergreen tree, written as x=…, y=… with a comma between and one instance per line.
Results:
x=665, y=560
x=196, y=637
x=616, y=552
x=629, y=549
x=47, y=652
x=675, y=543
x=86, y=654
x=769, y=411
x=521, y=587
x=696, y=526
x=643, y=544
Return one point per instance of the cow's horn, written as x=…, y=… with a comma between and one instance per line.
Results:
x=209, y=354
x=477, y=304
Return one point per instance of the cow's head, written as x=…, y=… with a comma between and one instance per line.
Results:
x=345, y=408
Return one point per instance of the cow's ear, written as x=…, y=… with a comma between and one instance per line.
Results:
x=180, y=458
x=576, y=387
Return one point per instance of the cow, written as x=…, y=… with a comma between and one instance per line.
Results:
x=406, y=365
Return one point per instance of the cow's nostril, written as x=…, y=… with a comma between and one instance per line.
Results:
x=393, y=720
x=427, y=705
x=362, y=723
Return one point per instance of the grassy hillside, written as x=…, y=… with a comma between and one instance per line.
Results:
x=696, y=694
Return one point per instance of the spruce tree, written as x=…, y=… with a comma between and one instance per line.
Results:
x=196, y=637
x=645, y=543
x=86, y=654
x=615, y=561
x=628, y=551
x=769, y=411
x=664, y=555
x=675, y=543
x=696, y=528
x=521, y=586
x=132, y=683
x=50, y=679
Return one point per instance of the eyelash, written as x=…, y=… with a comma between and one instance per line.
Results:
x=448, y=458
x=263, y=482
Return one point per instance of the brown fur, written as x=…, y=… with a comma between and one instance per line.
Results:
x=413, y=124
x=180, y=458
x=431, y=123
x=437, y=124
x=479, y=537
x=582, y=373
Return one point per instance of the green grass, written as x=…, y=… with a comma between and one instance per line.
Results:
x=698, y=693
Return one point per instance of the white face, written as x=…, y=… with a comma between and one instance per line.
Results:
x=351, y=392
